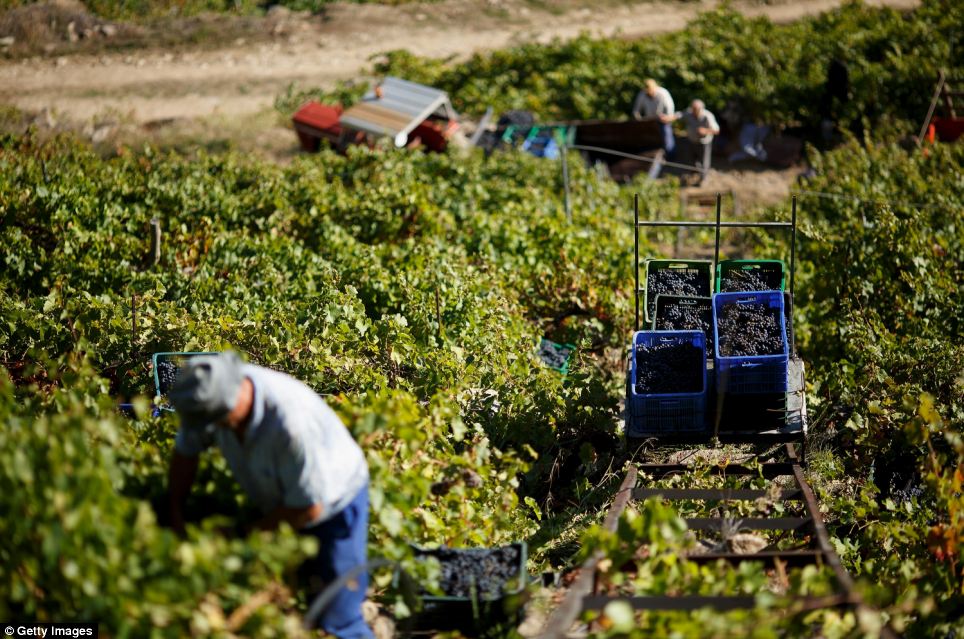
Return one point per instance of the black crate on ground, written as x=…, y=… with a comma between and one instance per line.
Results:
x=754, y=412
x=472, y=615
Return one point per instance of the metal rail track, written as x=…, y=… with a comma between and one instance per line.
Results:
x=815, y=549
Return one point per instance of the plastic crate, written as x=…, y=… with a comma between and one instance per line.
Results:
x=698, y=270
x=703, y=306
x=773, y=272
x=175, y=359
x=556, y=356
x=468, y=615
x=666, y=413
x=750, y=374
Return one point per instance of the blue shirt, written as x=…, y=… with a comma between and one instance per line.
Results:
x=296, y=451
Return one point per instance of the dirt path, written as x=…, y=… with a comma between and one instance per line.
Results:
x=241, y=81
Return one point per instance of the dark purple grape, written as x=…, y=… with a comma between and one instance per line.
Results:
x=669, y=368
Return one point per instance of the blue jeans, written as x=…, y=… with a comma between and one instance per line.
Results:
x=342, y=542
x=669, y=140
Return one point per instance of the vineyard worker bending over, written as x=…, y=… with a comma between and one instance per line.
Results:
x=701, y=126
x=292, y=456
x=655, y=102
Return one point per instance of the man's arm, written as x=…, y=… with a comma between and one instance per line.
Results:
x=668, y=106
x=711, y=128
x=297, y=518
x=637, y=105
x=180, y=478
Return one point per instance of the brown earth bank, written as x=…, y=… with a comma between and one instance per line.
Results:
x=210, y=81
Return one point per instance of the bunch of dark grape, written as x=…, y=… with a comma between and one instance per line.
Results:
x=749, y=329
x=553, y=355
x=746, y=280
x=669, y=368
x=688, y=317
x=686, y=282
x=166, y=374
x=482, y=573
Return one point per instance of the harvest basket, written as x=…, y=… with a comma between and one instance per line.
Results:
x=168, y=361
x=750, y=374
x=473, y=615
x=698, y=272
x=665, y=413
x=772, y=272
x=556, y=356
x=694, y=307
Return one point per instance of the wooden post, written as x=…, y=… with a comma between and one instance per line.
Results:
x=155, y=256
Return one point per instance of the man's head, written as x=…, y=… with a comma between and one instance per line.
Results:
x=208, y=390
x=697, y=107
x=651, y=86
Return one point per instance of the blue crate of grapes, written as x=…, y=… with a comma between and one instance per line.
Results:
x=666, y=387
x=752, y=353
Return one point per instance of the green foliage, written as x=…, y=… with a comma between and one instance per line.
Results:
x=141, y=9
x=650, y=541
x=883, y=292
x=416, y=304
x=148, y=9
x=776, y=72
x=74, y=548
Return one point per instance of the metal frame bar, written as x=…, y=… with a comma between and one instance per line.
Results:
x=767, y=471
x=719, y=224
x=751, y=523
x=636, y=253
x=714, y=494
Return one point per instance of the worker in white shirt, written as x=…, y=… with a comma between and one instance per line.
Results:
x=294, y=458
x=655, y=102
x=701, y=126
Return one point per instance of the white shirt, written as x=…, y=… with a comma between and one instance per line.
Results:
x=706, y=120
x=650, y=107
x=296, y=451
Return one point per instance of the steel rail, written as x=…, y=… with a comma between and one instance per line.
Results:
x=631, y=156
x=583, y=596
x=562, y=618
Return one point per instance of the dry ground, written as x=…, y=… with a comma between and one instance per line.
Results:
x=193, y=82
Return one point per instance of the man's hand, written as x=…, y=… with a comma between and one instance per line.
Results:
x=666, y=119
x=297, y=518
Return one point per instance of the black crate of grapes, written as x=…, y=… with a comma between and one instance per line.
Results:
x=690, y=278
x=483, y=589
x=677, y=313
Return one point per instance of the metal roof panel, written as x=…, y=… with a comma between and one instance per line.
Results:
x=394, y=108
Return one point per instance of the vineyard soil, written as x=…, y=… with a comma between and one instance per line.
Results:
x=185, y=92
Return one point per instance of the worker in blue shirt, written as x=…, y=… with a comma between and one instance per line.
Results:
x=292, y=456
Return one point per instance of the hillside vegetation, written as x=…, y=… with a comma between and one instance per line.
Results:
x=775, y=72
x=412, y=290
